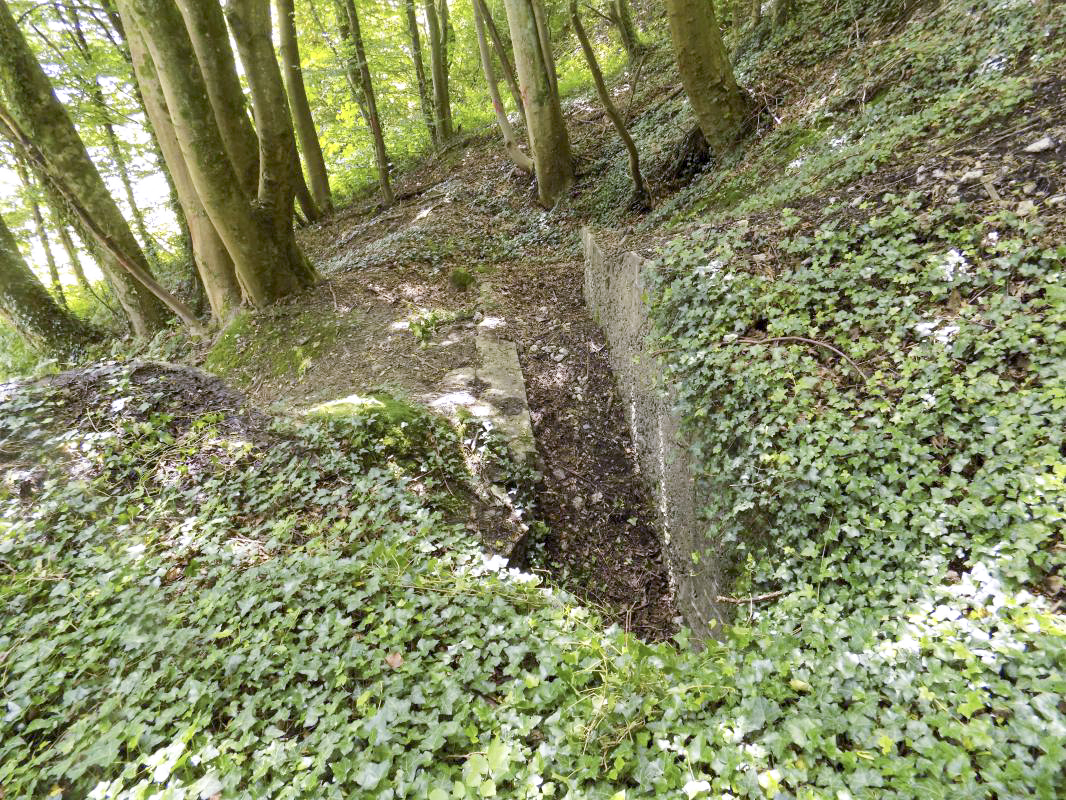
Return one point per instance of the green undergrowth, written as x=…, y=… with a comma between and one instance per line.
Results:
x=871, y=386
x=204, y=603
x=874, y=397
x=890, y=88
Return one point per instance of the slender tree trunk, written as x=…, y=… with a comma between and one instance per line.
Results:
x=114, y=20
x=622, y=17
x=544, y=39
x=420, y=72
x=42, y=117
x=359, y=71
x=501, y=54
x=303, y=194
x=510, y=141
x=756, y=12
x=446, y=36
x=442, y=108
x=280, y=178
x=30, y=310
x=64, y=221
x=546, y=128
x=782, y=11
x=75, y=260
x=720, y=106
x=208, y=251
x=206, y=29
x=30, y=198
x=301, y=109
x=114, y=147
x=641, y=198
x=104, y=240
x=256, y=227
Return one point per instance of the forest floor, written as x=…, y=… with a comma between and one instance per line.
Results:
x=393, y=315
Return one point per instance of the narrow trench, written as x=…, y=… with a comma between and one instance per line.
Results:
x=601, y=542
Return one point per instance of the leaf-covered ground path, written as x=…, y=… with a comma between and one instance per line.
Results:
x=389, y=317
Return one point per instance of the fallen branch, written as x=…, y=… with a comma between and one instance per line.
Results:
x=20, y=139
x=740, y=601
x=805, y=340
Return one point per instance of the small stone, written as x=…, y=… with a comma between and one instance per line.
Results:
x=597, y=497
x=559, y=355
x=939, y=174
x=578, y=502
x=1025, y=208
x=973, y=175
x=1056, y=200
x=1029, y=188
x=1041, y=144
x=558, y=474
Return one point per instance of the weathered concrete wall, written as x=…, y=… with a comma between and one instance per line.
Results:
x=614, y=293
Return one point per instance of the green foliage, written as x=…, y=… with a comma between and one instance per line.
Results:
x=199, y=604
x=909, y=503
x=424, y=322
x=16, y=357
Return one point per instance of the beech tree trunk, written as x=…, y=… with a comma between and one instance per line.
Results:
x=45, y=121
x=510, y=141
x=546, y=128
x=29, y=309
x=720, y=106
x=256, y=226
x=782, y=10
x=205, y=28
x=359, y=75
x=544, y=39
x=641, y=199
x=105, y=242
x=74, y=258
x=420, y=71
x=208, y=251
x=301, y=109
x=442, y=107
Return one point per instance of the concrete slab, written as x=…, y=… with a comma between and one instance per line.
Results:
x=615, y=294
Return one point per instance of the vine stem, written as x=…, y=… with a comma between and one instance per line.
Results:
x=815, y=342
x=773, y=339
x=739, y=601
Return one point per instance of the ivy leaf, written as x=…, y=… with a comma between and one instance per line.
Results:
x=371, y=773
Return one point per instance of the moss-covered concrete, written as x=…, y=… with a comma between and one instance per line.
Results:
x=273, y=345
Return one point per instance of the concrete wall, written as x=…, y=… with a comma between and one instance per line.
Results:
x=614, y=293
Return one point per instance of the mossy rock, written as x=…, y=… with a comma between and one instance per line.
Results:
x=461, y=279
x=270, y=345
